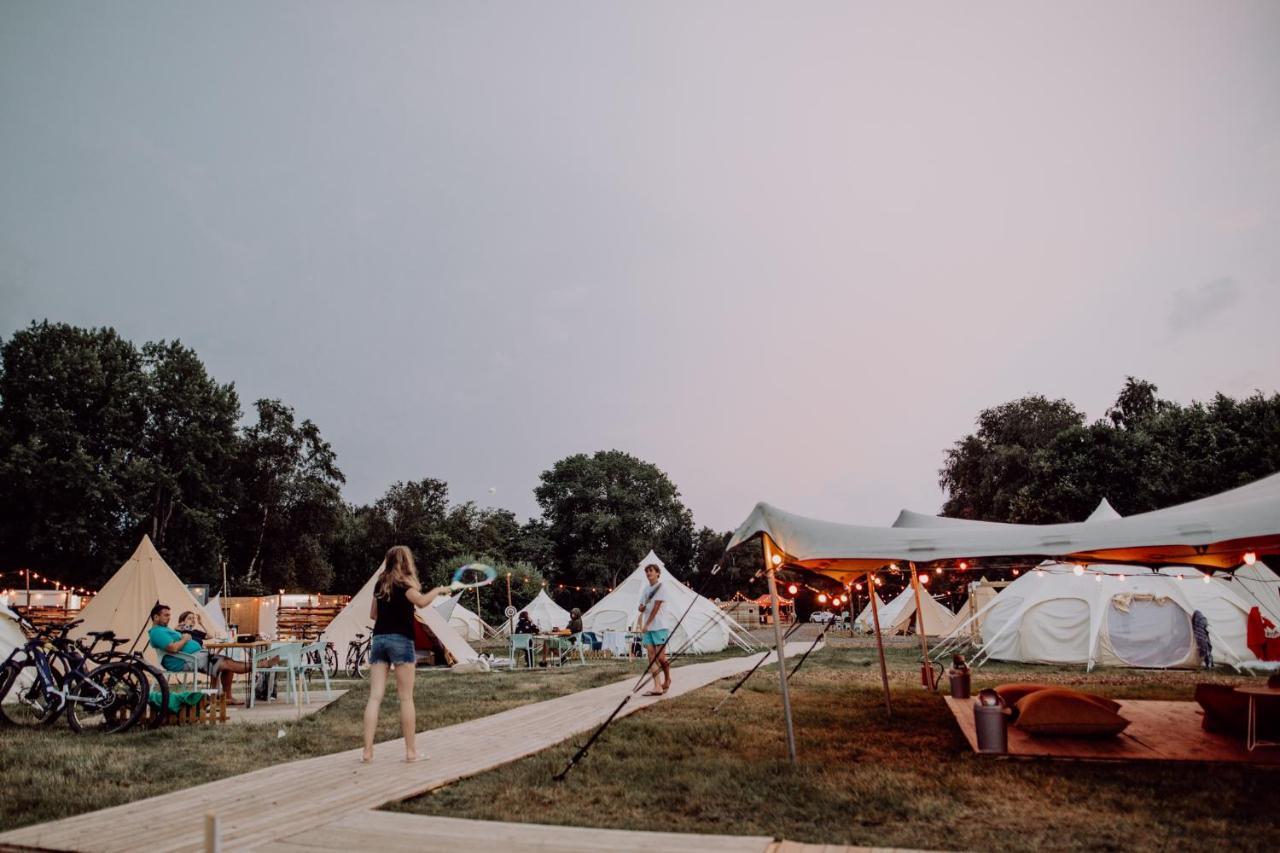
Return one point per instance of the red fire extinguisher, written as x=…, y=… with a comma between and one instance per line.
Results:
x=930, y=674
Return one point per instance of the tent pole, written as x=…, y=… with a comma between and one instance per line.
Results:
x=875, y=617
x=782, y=666
x=924, y=643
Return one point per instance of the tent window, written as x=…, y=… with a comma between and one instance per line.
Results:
x=1056, y=631
x=1152, y=633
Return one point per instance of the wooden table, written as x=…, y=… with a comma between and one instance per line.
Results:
x=251, y=650
x=1253, y=691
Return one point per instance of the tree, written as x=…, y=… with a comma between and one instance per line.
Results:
x=605, y=511
x=289, y=503
x=72, y=405
x=984, y=472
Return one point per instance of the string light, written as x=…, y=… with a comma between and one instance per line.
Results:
x=1179, y=576
x=1097, y=576
x=924, y=579
x=963, y=565
x=1078, y=569
x=822, y=598
x=793, y=589
x=1250, y=558
x=938, y=571
x=777, y=559
x=1015, y=573
x=1206, y=578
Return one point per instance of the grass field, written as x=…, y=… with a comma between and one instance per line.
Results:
x=53, y=773
x=862, y=779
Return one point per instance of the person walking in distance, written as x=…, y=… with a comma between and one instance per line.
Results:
x=656, y=622
x=397, y=594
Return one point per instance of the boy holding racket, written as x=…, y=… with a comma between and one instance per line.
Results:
x=656, y=621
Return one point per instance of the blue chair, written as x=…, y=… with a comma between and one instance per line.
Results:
x=522, y=643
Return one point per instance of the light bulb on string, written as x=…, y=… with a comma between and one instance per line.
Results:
x=1015, y=573
x=822, y=598
x=777, y=560
x=924, y=579
x=1097, y=577
x=963, y=565
x=938, y=571
x=1206, y=578
x=1179, y=575
x=1250, y=558
x=793, y=589
x=1078, y=569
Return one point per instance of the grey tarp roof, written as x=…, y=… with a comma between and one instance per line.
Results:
x=1212, y=532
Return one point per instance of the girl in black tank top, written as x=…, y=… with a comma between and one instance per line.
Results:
x=395, y=614
x=396, y=594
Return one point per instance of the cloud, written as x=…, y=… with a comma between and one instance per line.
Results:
x=1192, y=309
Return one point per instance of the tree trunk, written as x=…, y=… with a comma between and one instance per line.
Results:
x=257, y=549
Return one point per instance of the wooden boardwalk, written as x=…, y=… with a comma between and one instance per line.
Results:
x=1158, y=731
x=294, y=800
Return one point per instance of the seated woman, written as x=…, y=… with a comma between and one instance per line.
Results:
x=575, y=621
x=524, y=625
x=190, y=622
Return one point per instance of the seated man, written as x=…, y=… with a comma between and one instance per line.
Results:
x=166, y=640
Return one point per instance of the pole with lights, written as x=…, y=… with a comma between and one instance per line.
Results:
x=771, y=562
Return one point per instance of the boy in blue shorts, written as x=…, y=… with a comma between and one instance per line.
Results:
x=656, y=621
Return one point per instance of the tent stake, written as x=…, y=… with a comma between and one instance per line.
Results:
x=782, y=665
x=924, y=643
x=875, y=617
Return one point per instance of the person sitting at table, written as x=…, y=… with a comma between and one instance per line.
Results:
x=524, y=625
x=575, y=621
x=189, y=622
x=165, y=640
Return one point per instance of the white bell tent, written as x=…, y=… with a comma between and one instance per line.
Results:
x=214, y=618
x=11, y=637
x=124, y=603
x=544, y=612
x=1258, y=586
x=354, y=619
x=895, y=617
x=866, y=620
x=1112, y=616
x=706, y=629
x=468, y=625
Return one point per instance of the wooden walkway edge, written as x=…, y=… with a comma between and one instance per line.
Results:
x=295, y=799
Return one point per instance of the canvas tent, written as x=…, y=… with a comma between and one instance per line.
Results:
x=544, y=612
x=706, y=629
x=468, y=625
x=1258, y=586
x=896, y=616
x=1112, y=616
x=11, y=637
x=214, y=618
x=124, y=603
x=354, y=619
x=866, y=620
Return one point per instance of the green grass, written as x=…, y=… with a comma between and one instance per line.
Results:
x=53, y=773
x=862, y=779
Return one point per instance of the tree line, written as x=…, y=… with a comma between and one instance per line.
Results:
x=102, y=441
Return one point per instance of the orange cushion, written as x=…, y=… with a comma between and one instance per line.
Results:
x=1011, y=693
x=1066, y=712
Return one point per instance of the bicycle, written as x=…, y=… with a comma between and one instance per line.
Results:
x=158, y=675
x=329, y=658
x=358, y=655
x=108, y=698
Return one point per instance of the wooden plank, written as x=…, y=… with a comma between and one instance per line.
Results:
x=1158, y=730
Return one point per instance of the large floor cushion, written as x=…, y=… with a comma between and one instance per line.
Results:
x=1013, y=693
x=1227, y=712
x=1060, y=712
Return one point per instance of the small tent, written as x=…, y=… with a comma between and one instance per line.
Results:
x=11, y=637
x=354, y=619
x=705, y=629
x=214, y=618
x=124, y=603
x=468, y=625
x=544, y=613
x=1113, y=616
x=865, y=620
x=895, y=617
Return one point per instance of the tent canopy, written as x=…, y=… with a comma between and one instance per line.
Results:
x=1212, y=532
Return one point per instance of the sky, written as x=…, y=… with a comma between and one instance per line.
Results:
x=786, y=252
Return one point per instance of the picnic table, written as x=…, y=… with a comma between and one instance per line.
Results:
x=250, y=650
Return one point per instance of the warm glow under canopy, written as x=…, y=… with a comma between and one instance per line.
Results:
x=1212, y=532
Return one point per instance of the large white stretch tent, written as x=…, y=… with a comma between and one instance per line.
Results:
x=707, y=628
x=1213, y=532
x=354, y=619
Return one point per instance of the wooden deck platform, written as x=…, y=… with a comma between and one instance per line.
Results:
x=281, y=710
x=294, y=800
x=1158, y=731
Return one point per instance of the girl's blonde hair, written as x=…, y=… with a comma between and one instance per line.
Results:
x=398, y=570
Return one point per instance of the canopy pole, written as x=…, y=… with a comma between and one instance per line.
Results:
x=924, y=643
x=782, y=665
x=884, y=671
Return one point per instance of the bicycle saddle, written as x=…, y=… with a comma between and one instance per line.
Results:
x=102, y=635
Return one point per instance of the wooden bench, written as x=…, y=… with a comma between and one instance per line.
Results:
x=210, y=710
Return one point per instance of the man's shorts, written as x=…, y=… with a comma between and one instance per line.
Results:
x=206, y=662
x=391, y=649
x=655, y=638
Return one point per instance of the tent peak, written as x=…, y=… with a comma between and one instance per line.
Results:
x=1103, y=512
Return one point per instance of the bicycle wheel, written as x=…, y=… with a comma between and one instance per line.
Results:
x=362, y=661
x=160, y=685
x=109, y=699
x=23, y=700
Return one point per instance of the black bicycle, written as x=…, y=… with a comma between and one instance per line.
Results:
x=329, y=658
x=358, y=655
x=50, y=674
x=158, y=676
